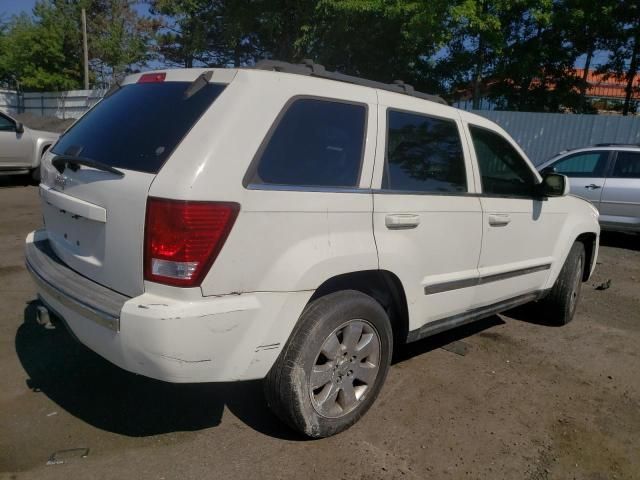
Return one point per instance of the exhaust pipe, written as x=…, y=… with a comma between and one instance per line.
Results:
x=43, y=318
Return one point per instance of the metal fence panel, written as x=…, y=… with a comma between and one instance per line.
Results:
x=542, y=135
x=69, y=104
x=9, y=101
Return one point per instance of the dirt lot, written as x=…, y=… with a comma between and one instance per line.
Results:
x=526, y=401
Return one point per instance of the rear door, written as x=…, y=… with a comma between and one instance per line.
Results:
x=427, y=220
x=95, y=218
x=620, y=201
x=586, y=171
x=15, y=148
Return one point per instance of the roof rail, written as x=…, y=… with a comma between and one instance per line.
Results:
x=309, y=68
x=617, y=145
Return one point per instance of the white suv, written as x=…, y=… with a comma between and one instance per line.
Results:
x=293, y=224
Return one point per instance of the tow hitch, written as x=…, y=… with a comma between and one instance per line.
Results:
x=43, y=317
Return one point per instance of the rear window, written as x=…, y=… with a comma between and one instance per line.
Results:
x=315, y=143
x=139, y=126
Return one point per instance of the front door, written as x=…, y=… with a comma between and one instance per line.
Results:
x=586, y=172
x=520, y=231
x=427, y=219
x=15, y=148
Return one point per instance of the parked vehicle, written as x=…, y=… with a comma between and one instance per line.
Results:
x=607, y=175
x=296, y=225
x=21, y=148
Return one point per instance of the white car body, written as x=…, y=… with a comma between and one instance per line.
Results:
x=453, y=256
x=21, y=148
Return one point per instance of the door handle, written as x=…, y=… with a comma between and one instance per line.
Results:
x=592, y=186
x=499, y=219
x=399, y=221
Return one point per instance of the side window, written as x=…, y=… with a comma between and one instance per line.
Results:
x=585, y=164
x=502, y=170
x=6, y=125
x=423, y=154
x=627, y=165
x=315, y=143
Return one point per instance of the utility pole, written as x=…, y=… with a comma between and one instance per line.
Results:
x=85, y=49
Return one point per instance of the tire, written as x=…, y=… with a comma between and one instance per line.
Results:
x=560, y=304
x=323, y=349
x=35, y=175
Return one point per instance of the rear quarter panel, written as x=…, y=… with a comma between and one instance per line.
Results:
x=283, y=240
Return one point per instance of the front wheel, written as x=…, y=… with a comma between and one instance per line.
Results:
x=333, y=366
x=560, y=305
x=35, y=175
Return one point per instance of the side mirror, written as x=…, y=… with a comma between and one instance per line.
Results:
x=19, y=127
x=549, y=169
x=554, y=185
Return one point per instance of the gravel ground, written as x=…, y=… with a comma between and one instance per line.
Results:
x=526, y=401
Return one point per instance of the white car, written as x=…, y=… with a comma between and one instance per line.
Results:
x=293, y=224
x=21, y=148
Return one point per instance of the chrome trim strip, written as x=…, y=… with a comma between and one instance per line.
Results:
x=97, y=316
x=472, y=282
x=514, y=273
x=304, y=188
x=453, y=285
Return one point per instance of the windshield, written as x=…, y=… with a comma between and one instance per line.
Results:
x=138, y=126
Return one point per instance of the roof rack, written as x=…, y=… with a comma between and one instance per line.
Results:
x=309, y=68
x=617, y=145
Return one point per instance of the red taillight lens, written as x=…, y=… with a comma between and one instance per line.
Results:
x=152, y=77
x=182, y=239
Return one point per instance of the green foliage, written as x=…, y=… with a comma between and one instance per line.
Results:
x=44, y=51
x=519, y=53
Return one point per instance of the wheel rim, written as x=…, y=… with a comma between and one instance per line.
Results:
x=575, y=291
x=345, y=369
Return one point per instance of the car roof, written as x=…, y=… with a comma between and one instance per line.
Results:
x=598, y=147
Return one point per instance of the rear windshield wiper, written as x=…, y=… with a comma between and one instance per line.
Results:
x=73, y=162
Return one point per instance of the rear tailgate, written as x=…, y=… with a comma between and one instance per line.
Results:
x=95, y=218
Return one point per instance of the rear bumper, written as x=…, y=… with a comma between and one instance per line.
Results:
x=208, y=339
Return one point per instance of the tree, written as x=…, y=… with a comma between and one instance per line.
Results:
x=478, y=39
x=118, y=38
x=535, y=70
x=624, y=46
x=585, y=27
x=36, y=52
x=377, y=39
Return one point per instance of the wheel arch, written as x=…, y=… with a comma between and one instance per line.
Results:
x=589, y=240
x=383, y=286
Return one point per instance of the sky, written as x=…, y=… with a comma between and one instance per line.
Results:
x=11, y=7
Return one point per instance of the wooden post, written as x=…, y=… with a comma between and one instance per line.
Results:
x=85, y=49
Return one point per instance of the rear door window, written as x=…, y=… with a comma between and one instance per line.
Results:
x=424, y=154
x=584, y=164
x=627, y=165
x=316, y=142
x=139, y=126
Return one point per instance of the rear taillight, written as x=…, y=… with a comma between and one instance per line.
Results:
x=182, y=239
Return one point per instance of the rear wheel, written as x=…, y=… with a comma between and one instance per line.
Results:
x=333, y=366
x=560, y=305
